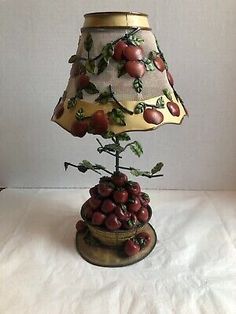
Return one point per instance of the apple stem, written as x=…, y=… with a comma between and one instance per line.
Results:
x=117, y=142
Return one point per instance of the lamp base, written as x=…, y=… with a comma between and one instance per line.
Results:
x=98, y=254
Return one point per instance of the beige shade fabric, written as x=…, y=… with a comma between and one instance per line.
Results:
x=156, y=83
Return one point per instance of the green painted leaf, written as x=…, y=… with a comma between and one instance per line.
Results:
x=153, y=55
x=71, y=103
x=90, y=66
x=123, y=137
x=108, y=134
x=80, y=114
x=104, y=97
x=91, y=89
x=167, y=93
x=121, y=69
x=102, y=64
x=87, y=164
x=140, y=107
x=157, y=168
x=136, y=148
x=113, y=148
x=107, y=52
x=73, y=59
x=88, y=42
x=134, y=40
x=135, y=172
x=149, y=64
x=138, y=85
x=160, y=104
x=118, y=116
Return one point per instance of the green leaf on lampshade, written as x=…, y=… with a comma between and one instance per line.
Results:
x=117, y=116
x=136, y=148
x=102, y=64
x=149, y=64
x=134, y=40
x=167, y=93
x=153, y=55
x=80, y=114
x=160, y=104
x=139, y=108
x=138, y=85
x=108, y=51
x=123, y=137
x=121, y=69
x=90, y=66
x=91, y=89
x=88, y=42
x=157, y=168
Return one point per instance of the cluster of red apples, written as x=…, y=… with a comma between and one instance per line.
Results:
x=118, y=204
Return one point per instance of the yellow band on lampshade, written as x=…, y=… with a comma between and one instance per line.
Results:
x=116, y=20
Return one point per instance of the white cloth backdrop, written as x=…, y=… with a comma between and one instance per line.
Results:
x=191, y=270
x=198, y=39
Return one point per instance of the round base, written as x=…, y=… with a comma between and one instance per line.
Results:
x=97, y=254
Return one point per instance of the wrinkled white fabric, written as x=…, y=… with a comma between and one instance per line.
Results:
x=191, y=270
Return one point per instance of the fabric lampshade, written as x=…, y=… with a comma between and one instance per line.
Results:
x=119, y=80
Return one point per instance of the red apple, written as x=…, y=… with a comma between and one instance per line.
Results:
x=81, y=226
x=105, y=188
x=130, y=223
x=98, y=218
x=95, y=202
x=120, y=196
x=119, y=179
x=134, y=204
x=122, y=213
x=133, y=53
x=143, y=214
x=119, y=50
x=94, y=191
x=79, y=128
x=143, y=239
x=59, y=110
x=112, y=222
x=159, y=64
x=82, y=81
x=173, y=108
x=153, y=116
x=131, y=247
x=133, y=188
x=144, y=199
x=135, y=68
x=108, y=206
x=99, y=122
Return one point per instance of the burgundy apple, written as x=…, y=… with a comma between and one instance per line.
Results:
x=131, y=247
x=105, y=188
x=120, y=196
x=112, y=222
x=134, y=204
x=98, y=218
x=143, y=214
x=81, y=226
x=135, y=68
x=108, y=206
x=133, y=188
x=144, y=199
x=143, y=239
x=95, y=202
x=119, y=50
x=133, y=53
x=119, y=179
x=173, y=108
x=153, y=116
x=122, y=213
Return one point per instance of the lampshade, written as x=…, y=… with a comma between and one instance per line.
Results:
x=119, y=80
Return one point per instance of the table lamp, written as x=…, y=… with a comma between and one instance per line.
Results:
x=119, y=82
